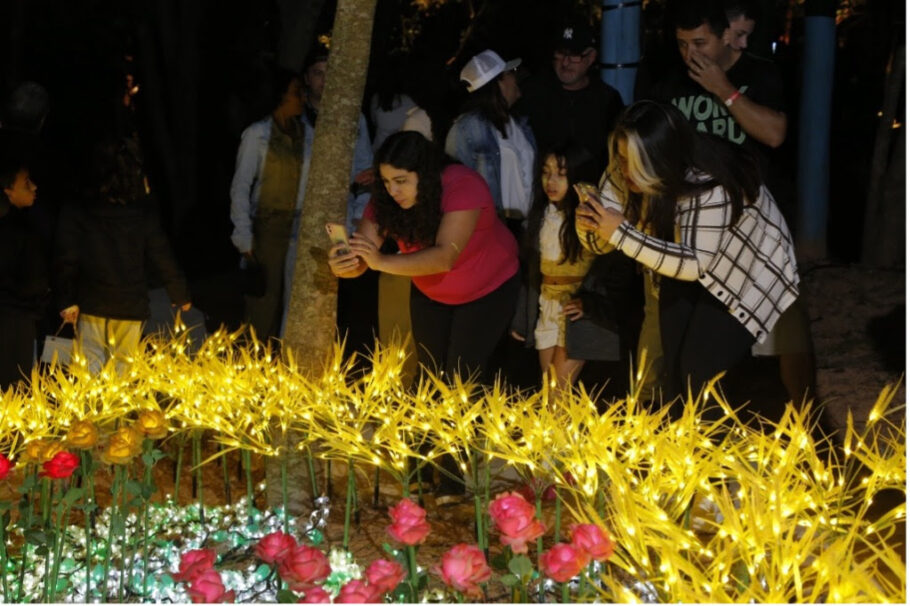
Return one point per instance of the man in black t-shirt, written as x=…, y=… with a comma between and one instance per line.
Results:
x=728, y=92
x=720, y=89
x=569, y=103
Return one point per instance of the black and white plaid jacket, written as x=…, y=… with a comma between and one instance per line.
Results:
x=750, y=267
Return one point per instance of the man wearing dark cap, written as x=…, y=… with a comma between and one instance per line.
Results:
x=568, y=102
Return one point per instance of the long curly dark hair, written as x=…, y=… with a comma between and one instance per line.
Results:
x=579, y=166
x=410, y=151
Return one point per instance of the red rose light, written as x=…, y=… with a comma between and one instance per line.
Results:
x=5, y=466
x=562, y=562
x=303, y=567
x=193, y=563
x=385, y=575
x=316, y=595
x=358, y=592
x=61, y=466
x=273, y=547
x=592, y=540
x=462, y=568
x=207, y=588
x=516, y=520
x=409, y=524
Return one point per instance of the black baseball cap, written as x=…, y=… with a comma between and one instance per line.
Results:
x=575, y=36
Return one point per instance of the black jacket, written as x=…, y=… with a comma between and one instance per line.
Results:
x=612, y=299
x=105, y=253
x=585, y=116
x=24, y=282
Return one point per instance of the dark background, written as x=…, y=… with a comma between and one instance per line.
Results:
x=200, y=65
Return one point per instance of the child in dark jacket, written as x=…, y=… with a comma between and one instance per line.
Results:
x=106, y=247
x=24, y=286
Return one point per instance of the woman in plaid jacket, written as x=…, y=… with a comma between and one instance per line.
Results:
x=692, y=209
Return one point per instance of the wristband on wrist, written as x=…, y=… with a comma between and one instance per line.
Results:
x=733, y=97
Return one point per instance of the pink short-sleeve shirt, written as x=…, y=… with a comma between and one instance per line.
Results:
x=491, y=255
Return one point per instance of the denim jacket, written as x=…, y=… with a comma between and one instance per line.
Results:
x=254, y=143
x=472, y=141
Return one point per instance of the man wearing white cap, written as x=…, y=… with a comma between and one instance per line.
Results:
x=488, y=139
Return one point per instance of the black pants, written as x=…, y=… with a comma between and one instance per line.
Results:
x=358, y=315
x=461, y=338
x=700, y=338
x=17, y=347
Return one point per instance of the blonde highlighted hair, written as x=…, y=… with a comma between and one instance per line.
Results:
x=663, y=152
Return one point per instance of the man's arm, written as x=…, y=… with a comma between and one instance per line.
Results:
x=760, y=122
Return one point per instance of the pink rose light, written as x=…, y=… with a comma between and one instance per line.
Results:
x=562, y=562
x=303, y=567
x=462, y=568
x=385, y=575
x=207, y=588
x=273, y=547
x=316, y=595
x=409, y=524
x=591, y=540
x=193, y=563
x=358, y=592
x=516, y=520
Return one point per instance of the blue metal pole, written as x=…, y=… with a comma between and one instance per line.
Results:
x=619, y=46
x=813, y=178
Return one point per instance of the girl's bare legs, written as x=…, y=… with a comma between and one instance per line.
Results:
x=565, y=369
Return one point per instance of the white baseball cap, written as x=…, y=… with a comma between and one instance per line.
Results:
x=483, y=67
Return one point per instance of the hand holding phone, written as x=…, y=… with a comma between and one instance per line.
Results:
x=588, y=193
x=338, y=234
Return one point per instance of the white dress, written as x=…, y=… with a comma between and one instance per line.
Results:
x=551, y=323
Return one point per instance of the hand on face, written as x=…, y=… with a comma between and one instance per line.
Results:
x=708, y=74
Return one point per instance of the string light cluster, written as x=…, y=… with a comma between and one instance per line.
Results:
x=700, y=510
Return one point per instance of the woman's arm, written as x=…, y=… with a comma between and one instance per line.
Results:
x=708, y=219
x=245, y=175
x=452, y=237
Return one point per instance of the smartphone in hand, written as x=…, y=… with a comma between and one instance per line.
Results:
x=338, y=234
x=588, y=193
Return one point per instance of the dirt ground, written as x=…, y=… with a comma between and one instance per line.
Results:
x=859, y=330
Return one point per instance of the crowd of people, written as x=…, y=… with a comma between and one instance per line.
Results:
x=90, y=263
x=520, y=213
x=647, y=232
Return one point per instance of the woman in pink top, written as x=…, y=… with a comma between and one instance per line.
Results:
x=462, y=260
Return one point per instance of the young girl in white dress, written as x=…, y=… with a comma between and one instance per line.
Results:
x=557, y=265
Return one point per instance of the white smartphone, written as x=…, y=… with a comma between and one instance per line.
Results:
x=338, y=234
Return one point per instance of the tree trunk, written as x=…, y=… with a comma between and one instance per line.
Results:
x=298, y=29
x=310, y=331
x=878, y=248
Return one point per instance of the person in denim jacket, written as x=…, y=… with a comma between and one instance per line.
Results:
x=488, y=139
